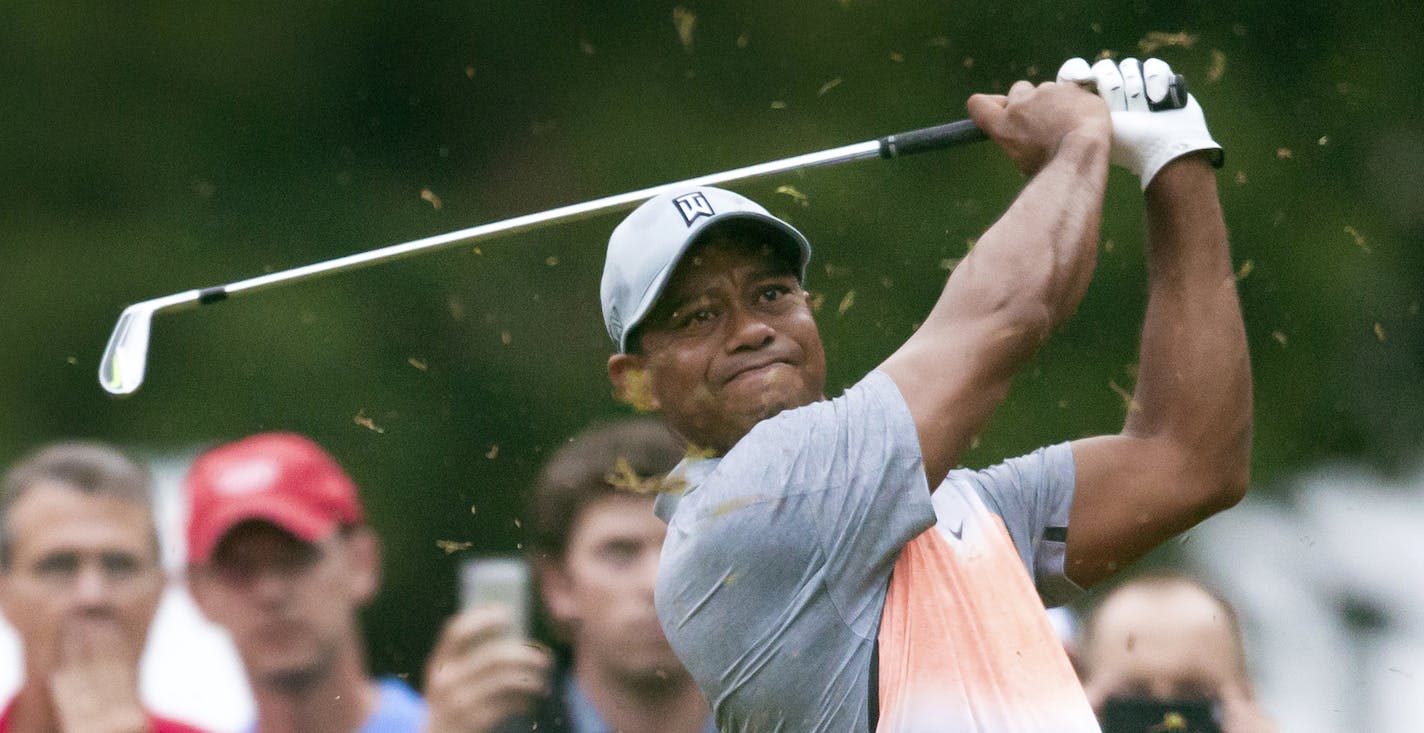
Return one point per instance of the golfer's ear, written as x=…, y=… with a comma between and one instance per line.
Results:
x=631, y=382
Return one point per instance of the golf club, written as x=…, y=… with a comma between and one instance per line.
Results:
x=121, y=369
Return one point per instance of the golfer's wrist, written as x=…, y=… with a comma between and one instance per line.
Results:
x=1085, y=143
x=1183, y=175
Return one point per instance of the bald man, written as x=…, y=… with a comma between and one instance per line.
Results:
x=1170, y=638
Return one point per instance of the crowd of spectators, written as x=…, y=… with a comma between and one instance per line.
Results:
x=280, y=555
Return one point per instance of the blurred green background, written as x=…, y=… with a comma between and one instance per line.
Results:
x=150, y=148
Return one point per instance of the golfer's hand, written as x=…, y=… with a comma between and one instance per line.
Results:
x=479, y=676
x=95, y=683
x=1031, y=122
x=1144, y=139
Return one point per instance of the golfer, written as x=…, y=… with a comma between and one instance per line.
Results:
x=825, y=569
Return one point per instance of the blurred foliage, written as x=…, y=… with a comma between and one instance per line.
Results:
x=153, y=147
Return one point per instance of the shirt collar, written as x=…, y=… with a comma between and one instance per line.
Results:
x=685, y=477
x=583, y=716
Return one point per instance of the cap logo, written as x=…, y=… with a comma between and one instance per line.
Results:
x=693, y=206
x=246, y=478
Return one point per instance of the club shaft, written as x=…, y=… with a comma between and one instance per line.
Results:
x=571, y=212
x=929, y=138
x=122, y=366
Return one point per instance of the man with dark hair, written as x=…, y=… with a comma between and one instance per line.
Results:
x=79, y=580
x=1170, y=639
x=828, y=568
x=595, y=551
x=619, y=461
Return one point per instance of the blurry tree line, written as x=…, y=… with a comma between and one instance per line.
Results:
x=149, y=148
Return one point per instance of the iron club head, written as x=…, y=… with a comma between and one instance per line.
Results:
x=122, y=366
x=126, y=355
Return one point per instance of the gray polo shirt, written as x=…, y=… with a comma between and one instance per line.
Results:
x=778, y=555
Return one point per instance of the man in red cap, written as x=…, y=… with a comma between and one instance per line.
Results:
x=279, y=554
x=80, y=581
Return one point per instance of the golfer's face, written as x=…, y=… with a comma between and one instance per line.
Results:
x=731, y=342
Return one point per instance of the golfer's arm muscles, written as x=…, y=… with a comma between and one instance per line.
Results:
x=1023, y=277
x=1184, y=452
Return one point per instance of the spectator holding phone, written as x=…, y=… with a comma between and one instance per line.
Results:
x=595, y=550
x=1161, y=645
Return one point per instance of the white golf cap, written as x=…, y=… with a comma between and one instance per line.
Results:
x=645, y=248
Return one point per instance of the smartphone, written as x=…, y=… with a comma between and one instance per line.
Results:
x=501, y=581
x=1152, y=715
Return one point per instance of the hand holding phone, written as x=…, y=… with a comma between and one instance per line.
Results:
x=482, y=669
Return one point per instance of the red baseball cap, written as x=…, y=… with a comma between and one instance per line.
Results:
x=282, y=478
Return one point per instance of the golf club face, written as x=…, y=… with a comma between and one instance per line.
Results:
x=122, y=366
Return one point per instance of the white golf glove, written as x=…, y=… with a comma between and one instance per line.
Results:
x=1149, y=130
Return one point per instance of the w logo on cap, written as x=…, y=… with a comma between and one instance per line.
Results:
x=692, y=206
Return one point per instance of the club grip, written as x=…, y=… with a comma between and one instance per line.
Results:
x=965, y=131
x=931, y=138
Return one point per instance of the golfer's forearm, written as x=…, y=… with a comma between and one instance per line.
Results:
x=1194, y=377
x=1023, y=277
x=1034, y=264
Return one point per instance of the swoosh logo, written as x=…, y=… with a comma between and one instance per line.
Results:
x=958, y=532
